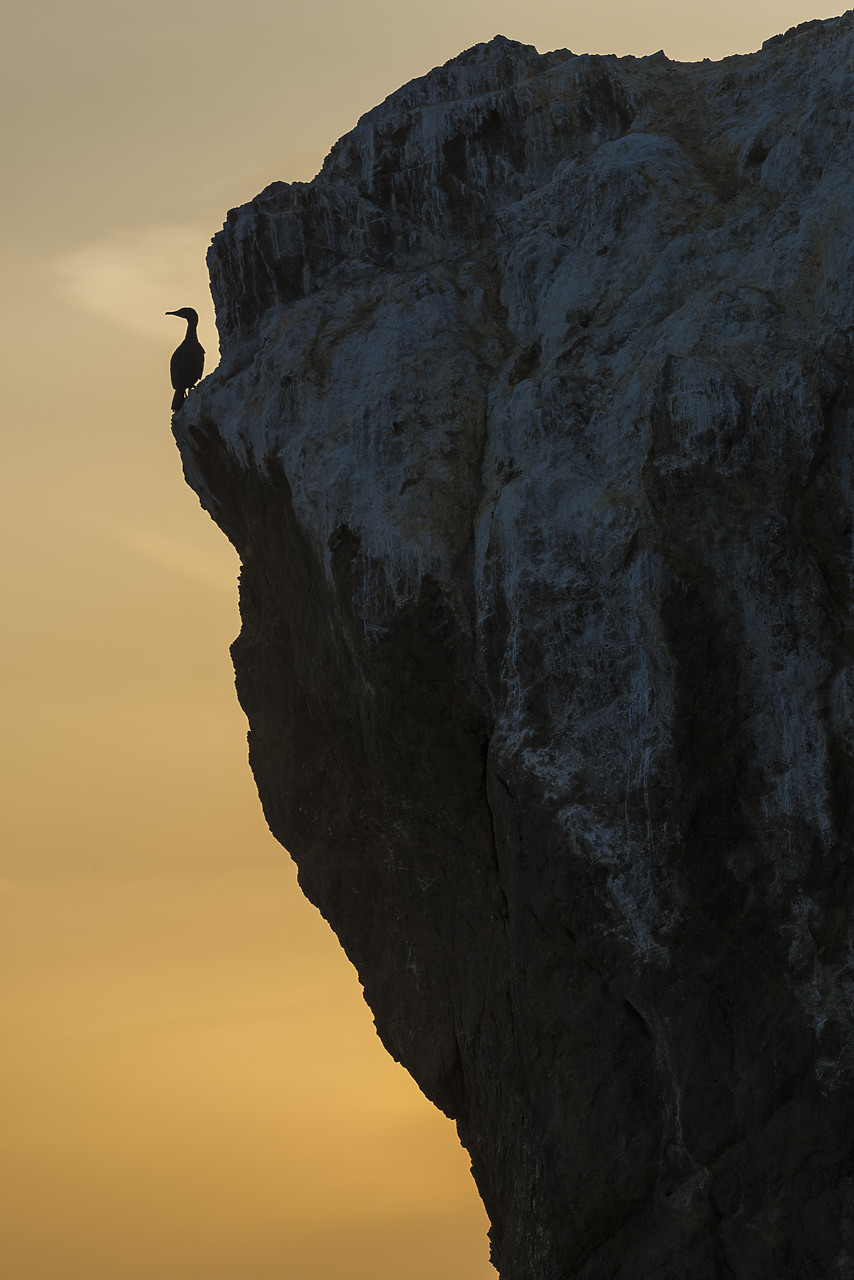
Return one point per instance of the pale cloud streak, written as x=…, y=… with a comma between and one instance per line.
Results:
x=133, y=278
x=216, y=569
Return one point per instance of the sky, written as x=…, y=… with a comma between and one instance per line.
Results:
x=190, y=1083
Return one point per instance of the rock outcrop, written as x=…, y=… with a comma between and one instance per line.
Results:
x=534, y=431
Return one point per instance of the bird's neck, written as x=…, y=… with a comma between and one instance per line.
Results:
x=192, y=326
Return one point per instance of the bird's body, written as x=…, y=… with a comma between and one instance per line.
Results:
x=188, y=360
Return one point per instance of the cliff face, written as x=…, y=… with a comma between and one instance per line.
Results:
x=534, y=432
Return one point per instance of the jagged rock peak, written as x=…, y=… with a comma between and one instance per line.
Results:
x=534, y=429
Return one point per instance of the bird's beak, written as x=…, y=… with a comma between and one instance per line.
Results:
x=170, y=313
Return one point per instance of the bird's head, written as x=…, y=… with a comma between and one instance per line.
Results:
x=186, y=313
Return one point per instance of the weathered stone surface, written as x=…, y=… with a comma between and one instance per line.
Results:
x=534, y=431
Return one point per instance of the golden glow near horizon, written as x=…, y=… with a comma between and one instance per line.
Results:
x=190, y=1083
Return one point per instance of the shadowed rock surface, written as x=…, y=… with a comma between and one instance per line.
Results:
x=534, y=432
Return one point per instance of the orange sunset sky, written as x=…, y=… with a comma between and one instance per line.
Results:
x=190, y=1084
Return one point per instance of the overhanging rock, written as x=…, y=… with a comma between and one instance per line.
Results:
x=533, y=430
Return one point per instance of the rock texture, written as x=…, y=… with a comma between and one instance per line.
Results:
x=534, y=430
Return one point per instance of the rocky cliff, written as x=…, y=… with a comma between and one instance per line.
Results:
x=534, y=430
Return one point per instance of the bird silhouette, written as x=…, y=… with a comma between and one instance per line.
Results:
x=188, y=360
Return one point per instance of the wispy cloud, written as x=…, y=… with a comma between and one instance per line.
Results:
x=131, y=279
x=217, y=569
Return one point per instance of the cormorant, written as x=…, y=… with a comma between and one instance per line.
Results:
x=188, y=361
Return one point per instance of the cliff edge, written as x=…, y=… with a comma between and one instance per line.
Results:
x=534, y=431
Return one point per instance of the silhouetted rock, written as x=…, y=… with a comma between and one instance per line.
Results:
x=534, y=430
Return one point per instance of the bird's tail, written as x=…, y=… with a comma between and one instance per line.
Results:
x=178, y=399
